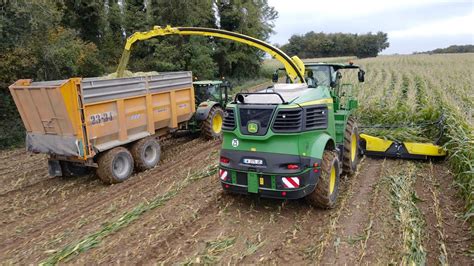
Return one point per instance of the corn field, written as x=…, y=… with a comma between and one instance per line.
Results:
x=412, y=93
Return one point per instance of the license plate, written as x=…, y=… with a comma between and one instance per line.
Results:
x=253, y=161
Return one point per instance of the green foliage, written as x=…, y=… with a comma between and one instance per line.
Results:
x=86, y=17
x=322, y=44
x=253, y=18
x=47, y=40
x=65, y=55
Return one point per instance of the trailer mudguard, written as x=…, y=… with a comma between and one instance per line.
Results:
x=319, y=145
x=202, y=112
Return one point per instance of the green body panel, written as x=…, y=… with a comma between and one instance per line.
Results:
x=341, y=121
x=284, y=143
x=252, y=182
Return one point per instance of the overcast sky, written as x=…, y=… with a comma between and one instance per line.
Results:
x=412, y=25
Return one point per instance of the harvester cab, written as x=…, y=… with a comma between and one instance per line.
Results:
x=211, y=97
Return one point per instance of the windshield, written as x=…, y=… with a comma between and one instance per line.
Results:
x=207, y=92
x=318, y=76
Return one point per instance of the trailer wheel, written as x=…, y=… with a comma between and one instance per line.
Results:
x=327, y=188
x=350, y=156
x=115, y=165
x=70, y=169
x=146, y=153
x=211, y=128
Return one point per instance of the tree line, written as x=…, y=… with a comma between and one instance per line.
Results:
x=468, y=48
x=313, y=45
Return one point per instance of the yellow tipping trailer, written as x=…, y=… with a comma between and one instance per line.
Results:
x=112, y=124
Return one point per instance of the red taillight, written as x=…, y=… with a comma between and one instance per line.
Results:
x=292, y=166
x=227, y=186
x=224, y=159
x=315, y=166
x=283, y=193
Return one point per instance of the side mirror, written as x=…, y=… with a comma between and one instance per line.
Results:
x=361, y=75
x=275, y=77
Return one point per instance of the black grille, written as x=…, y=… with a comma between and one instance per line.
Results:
x=229, y=120
x=259, y=115
x=316, y=117
x=288, y=120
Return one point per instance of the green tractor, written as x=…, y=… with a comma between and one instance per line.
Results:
x=292, y=140
x=211, y=98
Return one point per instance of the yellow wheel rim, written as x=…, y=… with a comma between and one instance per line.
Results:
x=217, y=123
x=353, y=147
x=332, y=179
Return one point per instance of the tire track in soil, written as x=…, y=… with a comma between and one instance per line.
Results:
x=309, y=232
x=95, y=205
x=343, y=247
x=75, y=196
x=284, y=227
x=445, y=231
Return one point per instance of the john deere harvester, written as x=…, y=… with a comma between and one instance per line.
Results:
x=292, y=140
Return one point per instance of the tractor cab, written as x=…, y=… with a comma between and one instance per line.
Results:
x=211, y=90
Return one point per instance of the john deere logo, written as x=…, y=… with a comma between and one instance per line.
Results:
x=252, y=127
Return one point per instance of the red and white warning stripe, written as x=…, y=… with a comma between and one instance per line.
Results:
x=222, y=174
x=291, y=182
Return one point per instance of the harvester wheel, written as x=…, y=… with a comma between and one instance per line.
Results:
x=146, y=153
x=211, y=128
x=70, y=169
x=115, y=165
x=326, y=191
x=350, y=156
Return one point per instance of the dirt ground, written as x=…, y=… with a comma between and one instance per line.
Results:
x=197, y=222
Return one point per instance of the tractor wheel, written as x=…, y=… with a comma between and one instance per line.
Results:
x=326, y=191
x=70, y=169
x=115, y=165
x=350, y=156
x=211, y=128
x=146, y=153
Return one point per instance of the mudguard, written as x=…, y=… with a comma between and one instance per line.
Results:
x=319, y=145
x=203, y=110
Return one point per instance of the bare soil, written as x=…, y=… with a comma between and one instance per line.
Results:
x=40, y=215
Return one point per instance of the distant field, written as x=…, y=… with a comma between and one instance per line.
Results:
x=272, y=64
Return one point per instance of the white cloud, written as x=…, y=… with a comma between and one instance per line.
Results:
x=445, y=27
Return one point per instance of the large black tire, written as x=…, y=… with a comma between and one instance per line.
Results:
x=115, y=165
x=70, y=169
x=326, y=191
x=211, y=128
x=351, y=156
x=146, y=153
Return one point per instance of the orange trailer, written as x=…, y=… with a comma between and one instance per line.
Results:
x=111, y=124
